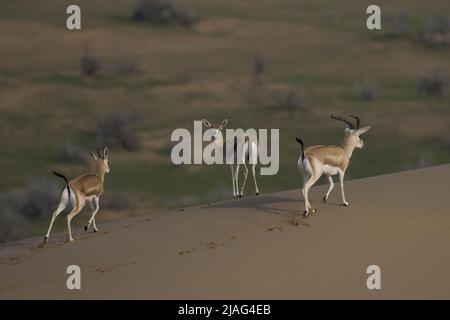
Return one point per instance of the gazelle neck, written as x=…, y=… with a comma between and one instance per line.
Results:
x=348, y=147
x=101, y=171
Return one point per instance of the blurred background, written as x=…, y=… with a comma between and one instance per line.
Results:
x=139, y=69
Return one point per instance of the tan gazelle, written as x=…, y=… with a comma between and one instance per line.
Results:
x=87, y=187
x=329, y=160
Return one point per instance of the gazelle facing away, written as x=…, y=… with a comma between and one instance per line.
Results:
x=87, y=187
x=329, y=160
x=230, y=154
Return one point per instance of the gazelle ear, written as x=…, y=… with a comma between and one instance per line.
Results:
x=206, y=123
x=93, y=155
x=105, y=153
x=223, y=124
x=362, y=130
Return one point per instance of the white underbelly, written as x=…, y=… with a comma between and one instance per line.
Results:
x=330, y=170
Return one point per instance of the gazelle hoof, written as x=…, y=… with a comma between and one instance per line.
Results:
x=346, y=204
x=86, y=228
x=324, y=199
x=44, y=241
x=257, y=193
x=240, y=196
x=95, y=229
x=305, y=214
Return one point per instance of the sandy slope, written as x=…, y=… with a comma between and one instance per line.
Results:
x=248, y=248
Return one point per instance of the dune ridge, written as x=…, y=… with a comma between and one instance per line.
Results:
x=249, y=248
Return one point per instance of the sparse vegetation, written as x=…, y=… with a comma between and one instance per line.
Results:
x=365, y=91
x=163, y=12
x=115, y=201
x=302, y=58
x=128, y=67
x=433, y=84
x=69, y=154
x=435, y=31
x=258, y=69
x=117, y=130
x=293, y=100
x=89, y=65
x=397, y=25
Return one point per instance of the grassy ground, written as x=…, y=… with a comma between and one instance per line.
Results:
x=320, y=49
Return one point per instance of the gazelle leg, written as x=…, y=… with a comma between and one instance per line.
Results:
x=308, y=185
x=330, y=180
x=254, y=179
x=79, y=205
x=232, y=179
x=245, y=180
x=341, y=180
x=62, y=205
x=236, y=179
x=95, y=203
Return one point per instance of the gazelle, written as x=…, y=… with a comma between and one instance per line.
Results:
x=87, y=187
x=329, y=160
x=249, y=153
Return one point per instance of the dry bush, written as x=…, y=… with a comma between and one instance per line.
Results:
x=89, y=65
x=396, y=25
x=117, y=130
x=128, y=67
x=435, y=31
x=293, y=100
x=365, y=91
x=115, y=201
x=258, y=69
x=433, y=84
x=162, y=12
x=69, y=154
x=37, y=199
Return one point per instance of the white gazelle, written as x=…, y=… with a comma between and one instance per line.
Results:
x=235, y=157
x=329, y=160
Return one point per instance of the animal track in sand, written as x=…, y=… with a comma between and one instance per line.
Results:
x=187, y=251
x=13, y=259
x=275, y=228
x=107, y=269
x=209, y=245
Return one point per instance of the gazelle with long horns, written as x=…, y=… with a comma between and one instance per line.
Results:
x=329, y=160
x=78, y=191
x=230, y=154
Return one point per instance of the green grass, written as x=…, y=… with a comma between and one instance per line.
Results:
x=318, y=48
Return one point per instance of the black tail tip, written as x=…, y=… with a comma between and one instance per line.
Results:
x=299, y=140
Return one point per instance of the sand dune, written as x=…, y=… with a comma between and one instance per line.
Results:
x=249, y=249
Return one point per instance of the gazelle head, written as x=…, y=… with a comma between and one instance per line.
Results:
x=353, y=132
x=102, y=160
x=216, y=130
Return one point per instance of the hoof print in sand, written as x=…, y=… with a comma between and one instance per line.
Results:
x=275, y=228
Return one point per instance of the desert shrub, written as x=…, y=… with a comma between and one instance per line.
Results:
x=68, y=154
x=433, y=84
x=365, y=90
x=12, y=225
x=435, y=31
x=89, y=65
x=115, y=201
x=127, y=66
x=38, y=198
x=117, y=130
x=293, y=100
x=162, y=12
x=258, y=69
x=396, y=25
